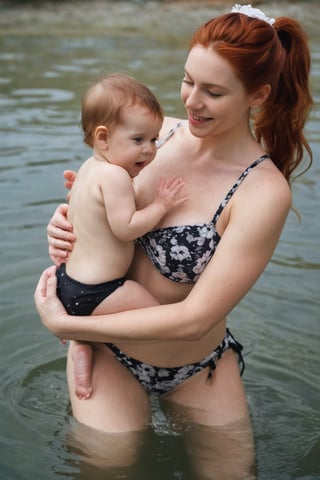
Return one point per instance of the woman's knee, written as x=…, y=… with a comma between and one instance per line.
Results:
x=102, y=449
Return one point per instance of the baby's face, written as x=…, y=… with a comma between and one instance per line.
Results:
x=132, y=142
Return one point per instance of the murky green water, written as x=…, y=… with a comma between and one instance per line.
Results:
x=46, y=59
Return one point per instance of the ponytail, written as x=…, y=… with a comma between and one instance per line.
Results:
x=280, y=123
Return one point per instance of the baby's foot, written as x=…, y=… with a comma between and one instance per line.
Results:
x=82, y=360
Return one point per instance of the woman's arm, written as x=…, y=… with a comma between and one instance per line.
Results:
x=94, y=328
x=244, y=250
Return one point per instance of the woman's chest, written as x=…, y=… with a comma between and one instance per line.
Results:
x=204, y=187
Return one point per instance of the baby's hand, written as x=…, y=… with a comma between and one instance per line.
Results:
x=168, y=192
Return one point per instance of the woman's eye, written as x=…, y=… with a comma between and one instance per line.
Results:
x=213, y=94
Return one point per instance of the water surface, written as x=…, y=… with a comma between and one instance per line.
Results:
x=47, y=58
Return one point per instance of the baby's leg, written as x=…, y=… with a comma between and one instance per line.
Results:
x=129, y=296
x=82, y=360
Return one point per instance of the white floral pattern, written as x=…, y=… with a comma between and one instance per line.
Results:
x=162, y=380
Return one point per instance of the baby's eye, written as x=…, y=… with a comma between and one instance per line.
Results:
x=155, y=139
x=138, y=140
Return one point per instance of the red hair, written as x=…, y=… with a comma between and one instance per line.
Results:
x=277, y=55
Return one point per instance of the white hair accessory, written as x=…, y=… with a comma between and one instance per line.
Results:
x=252, y=12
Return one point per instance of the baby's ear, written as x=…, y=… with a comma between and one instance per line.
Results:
x=101, y=135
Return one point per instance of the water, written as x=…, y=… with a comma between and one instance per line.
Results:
x=47, y=57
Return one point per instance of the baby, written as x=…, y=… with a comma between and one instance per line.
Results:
x=121, y=120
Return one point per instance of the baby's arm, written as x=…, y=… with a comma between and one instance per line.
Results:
x=128, y=223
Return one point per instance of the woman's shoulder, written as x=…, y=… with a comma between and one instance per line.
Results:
x=272, y=180
x=268, y=187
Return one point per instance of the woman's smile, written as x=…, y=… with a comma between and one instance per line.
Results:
x=197, y=119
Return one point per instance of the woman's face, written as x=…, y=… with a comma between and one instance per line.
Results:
x=214, y=97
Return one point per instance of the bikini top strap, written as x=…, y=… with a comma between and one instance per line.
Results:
x=171, y=132
x=234, y=188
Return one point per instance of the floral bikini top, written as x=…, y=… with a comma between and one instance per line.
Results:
x=181, y=253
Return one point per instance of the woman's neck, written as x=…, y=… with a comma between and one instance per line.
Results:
x=228, y=148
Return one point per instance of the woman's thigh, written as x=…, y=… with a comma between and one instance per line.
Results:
x=118, y=403
x=226, y=452
x=113, y=453
x=215, y=423
x=216, y=401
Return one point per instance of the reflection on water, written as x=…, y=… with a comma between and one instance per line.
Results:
x=47, y=58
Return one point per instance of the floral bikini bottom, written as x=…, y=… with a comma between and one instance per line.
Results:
x=161, y=380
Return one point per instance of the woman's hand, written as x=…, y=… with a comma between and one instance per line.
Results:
x=69, y=177
x=50, y=309
x=60, y=235
x=59, y=230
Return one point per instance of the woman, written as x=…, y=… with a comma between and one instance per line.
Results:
x=209, y=252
